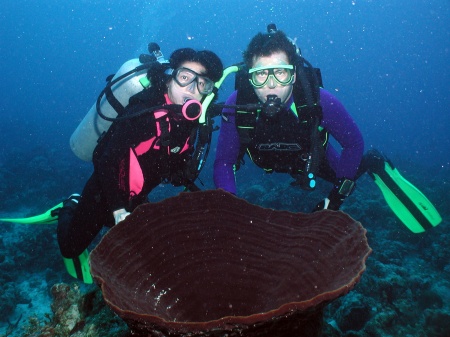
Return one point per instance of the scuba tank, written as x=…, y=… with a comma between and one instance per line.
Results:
x=130, y=79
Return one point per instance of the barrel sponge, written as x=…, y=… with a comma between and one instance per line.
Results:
x=210, y=264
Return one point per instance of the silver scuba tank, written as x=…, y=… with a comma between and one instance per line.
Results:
x=84, y=139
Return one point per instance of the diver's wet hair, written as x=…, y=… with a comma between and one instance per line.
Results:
x=208, y=59
x=267, y=44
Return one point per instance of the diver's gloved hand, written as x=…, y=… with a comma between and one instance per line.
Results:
x=341, y=190
x=120, y=215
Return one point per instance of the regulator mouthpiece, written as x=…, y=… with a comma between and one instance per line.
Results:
x=191, y=110
x=272, y=106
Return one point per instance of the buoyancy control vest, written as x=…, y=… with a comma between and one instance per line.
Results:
x=153, y=133
x=293, y=142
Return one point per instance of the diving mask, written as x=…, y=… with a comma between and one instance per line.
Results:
x=282, y=74
x=185, y=76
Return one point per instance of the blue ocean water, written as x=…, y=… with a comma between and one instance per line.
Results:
x=387, y=61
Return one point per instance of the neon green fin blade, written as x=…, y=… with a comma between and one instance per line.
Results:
x=79, y=267
x=410, y=205
x=43, y=219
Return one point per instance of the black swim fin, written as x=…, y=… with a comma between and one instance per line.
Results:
x=409, y=204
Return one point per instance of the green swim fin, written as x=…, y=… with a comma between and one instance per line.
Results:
x=47, y=218
x=79, y=267
x=410, y=205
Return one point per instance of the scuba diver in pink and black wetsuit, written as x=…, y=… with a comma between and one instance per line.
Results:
x=150, y=143
x=282, y=118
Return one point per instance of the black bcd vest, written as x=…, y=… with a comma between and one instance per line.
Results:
x=284, y=143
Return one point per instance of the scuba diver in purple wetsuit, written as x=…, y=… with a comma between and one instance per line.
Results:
x=282, y=118
x=289, y=132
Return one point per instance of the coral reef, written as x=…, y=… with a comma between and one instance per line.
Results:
x=76, y=314
x=405, y=290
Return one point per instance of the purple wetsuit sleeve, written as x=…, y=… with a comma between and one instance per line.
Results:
x=227, y=149
x=341, y=126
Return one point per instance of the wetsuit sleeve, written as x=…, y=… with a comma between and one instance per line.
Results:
x=227, y=149
x=341, y=126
